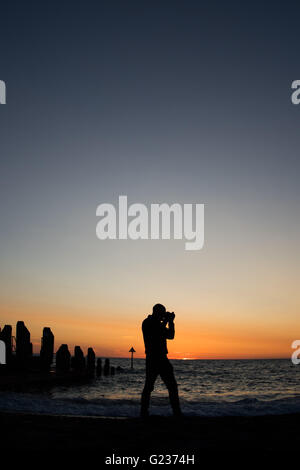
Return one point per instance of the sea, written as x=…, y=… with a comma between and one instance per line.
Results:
x=206, y=388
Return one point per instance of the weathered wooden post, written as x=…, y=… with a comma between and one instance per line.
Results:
x=24, y=346
x=47, y=348
x=90, y=362
x=78, y=361
x=63, y=359
x=106, y=369
x=6, y=337
x=132, y=350
x=99, y=368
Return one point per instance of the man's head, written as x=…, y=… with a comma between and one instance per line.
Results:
x=158, y=311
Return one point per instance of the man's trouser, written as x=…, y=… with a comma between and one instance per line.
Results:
x=159, y=366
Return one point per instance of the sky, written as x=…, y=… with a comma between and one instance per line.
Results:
x=173, y=101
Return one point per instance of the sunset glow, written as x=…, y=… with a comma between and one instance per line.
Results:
x=133, y=107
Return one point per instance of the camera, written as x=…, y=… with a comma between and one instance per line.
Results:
x=169, y=316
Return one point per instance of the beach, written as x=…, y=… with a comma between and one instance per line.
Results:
x=266, y=437
x=232, y=411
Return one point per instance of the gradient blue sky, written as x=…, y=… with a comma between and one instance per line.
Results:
x=165, y=102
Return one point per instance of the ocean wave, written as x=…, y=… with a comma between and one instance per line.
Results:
x=32, y=403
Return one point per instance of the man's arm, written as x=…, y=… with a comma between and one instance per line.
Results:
x=170, y=332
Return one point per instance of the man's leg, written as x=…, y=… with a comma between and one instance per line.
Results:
x=151, y=375
x=167, y=375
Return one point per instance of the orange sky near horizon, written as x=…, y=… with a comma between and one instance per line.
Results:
x=168, y=105
x=236, y=298
x=112, y=336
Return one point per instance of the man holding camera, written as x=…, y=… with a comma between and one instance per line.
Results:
x=156, y=333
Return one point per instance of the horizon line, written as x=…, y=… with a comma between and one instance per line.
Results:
x=202, y=359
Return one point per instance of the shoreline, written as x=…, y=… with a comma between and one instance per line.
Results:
x=151, y=418
x=268, y=436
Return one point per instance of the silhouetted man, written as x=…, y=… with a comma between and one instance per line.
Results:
x=156, y=333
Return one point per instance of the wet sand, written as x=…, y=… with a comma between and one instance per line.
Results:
x=240, y=438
